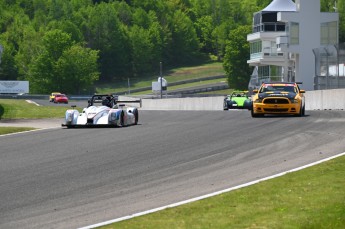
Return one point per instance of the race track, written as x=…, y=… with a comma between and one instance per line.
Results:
x=69, y=178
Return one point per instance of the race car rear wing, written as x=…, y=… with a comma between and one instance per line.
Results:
x=130, y=101
x=111, y=100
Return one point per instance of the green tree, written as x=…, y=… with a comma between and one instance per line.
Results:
x=69, y=27
x=157, y=38
x=108, y=35
x=213, y=19
x=204, y=27
x=60, y=9
x=27, y=6
x=8, y=69
x=77, y=4
x=141, y=18
x=262, y=3
x=43, y=77
x=63, y=66
x=124, y=13
x=55, y=42
x=184, y=45
x=249, y=7
x=130, y=36
x=327, y=5
x=341, y=10
x=11, y=38
x=142, y=48
x=146, y=37
x=236, y=56
x=220, y=37
x=78, y=68
x=29, y=48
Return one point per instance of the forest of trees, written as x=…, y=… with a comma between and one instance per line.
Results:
x=68, y=45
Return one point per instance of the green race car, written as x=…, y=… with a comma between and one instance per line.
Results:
x=237, y=100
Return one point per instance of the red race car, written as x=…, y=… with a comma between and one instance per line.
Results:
x=61, y=98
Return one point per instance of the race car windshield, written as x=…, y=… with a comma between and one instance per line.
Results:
x=239, y=95
x=268, y=88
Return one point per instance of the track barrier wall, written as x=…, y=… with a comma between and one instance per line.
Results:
x=333, y=99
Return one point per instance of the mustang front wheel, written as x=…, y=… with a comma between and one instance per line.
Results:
x=254, y=115
x=301, y=111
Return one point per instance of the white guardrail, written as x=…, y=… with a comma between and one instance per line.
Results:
x=333, y=99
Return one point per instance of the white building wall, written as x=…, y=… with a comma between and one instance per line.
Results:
x=309, y=18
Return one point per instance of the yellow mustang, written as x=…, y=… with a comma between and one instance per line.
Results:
x=52, y=96
x=278, y=98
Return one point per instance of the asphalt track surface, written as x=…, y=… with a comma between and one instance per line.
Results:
x=79, y=103
x=70, y=178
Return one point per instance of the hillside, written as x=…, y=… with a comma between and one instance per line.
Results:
x=70, y=46
x=182, y=78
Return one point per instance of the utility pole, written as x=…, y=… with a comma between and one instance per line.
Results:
x=129, y=86
x=161, y=75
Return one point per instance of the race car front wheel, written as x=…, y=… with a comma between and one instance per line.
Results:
x=122, y=119
x=225, y=106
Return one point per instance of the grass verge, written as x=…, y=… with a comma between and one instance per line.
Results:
x=20, y=109
x=310, y=198
x=10, y=130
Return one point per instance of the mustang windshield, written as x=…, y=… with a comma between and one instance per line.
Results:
x=272, y=87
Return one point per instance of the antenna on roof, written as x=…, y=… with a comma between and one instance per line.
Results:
x=335, y=6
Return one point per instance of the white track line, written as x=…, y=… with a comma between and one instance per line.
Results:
x=30, y=101
x=208, y=195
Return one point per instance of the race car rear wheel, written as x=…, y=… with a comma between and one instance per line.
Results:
x=136, y=116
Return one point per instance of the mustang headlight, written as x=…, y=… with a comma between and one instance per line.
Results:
x=258, y=100
x=294, y=101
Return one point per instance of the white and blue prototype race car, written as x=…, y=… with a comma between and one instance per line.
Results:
x=102, y=111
